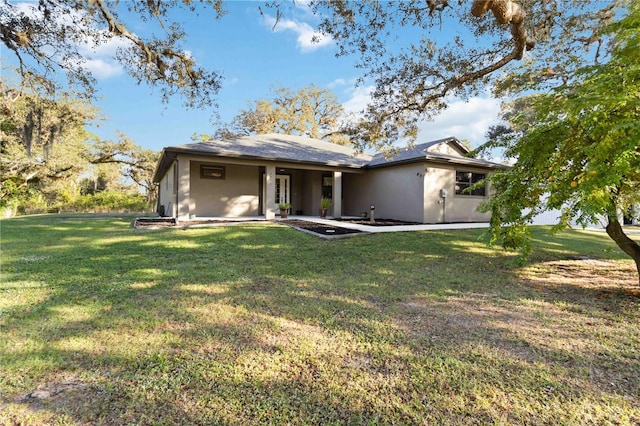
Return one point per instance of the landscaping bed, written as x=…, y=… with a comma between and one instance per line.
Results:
x=153, y=222
x=169, y=222
x=378, y=222
x=319, y=228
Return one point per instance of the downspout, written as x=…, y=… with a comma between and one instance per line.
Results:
x=174, y=208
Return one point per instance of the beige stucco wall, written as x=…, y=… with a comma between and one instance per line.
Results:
x=445, y=148
x=455, y=208
x=235, y=196
x=183, y=174
x=435, y=179
x=311, y=192
x=408, y=192
x=396, y=192
x=167, y=191
x=412, y=193
x=296, y=190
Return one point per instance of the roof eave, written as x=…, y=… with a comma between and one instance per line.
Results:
x=224, y=154
x=167, y=158
x=429, y=159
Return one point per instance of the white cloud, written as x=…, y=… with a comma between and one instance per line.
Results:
x=305, y=7
x=308, y=39
x=100, y=56
x=102, y=69
x=463, y=119
x=359, y=98
x=99, y=52
x=337, y=82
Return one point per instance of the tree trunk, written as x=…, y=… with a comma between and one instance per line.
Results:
x=615, y=231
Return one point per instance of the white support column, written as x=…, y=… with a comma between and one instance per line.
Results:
x=184, y=186
x=337, y=194
x=270, y=197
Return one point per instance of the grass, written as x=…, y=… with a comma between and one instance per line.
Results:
x=261, y=324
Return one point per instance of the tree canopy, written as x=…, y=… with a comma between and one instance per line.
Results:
x=311, y=111
x=42, y=142
x=460, y=48
x=577, y=147
x=54, y=37
x=136, y=163
x=45, y=151
x=458, y=51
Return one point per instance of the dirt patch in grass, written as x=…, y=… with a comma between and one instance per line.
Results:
x=54, y=391
x=602, y=277
x=65, y=394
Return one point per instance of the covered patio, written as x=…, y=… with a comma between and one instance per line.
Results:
x=252, y=190
x=250, y=178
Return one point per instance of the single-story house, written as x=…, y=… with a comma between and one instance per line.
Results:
x=249, y=176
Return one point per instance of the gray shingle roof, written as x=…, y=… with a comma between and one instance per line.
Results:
x=406, y=154
x=300, y=149
x=422, y=152
x=297, y=149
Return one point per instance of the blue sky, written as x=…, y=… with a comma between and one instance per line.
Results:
x=254, y=57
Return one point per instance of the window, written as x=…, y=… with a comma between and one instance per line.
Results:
x=211, y=172
x=327, y=186
x=466, y=179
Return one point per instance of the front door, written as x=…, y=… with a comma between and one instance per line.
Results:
x=283, y=191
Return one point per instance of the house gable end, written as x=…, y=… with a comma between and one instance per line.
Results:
x=444, y=151
x=450, y=146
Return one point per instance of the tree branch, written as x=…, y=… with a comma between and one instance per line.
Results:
x=119, y=29
x=507, y=12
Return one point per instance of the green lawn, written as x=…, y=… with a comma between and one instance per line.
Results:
x=262, y=324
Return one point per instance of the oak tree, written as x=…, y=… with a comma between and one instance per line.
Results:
x=136, y=163
x=45, y=149
x=41, y=144
x=576, y=148
x=53, y=38
x=451, y=48
x=311, y=111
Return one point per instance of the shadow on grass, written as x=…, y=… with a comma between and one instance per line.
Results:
x=262, y=324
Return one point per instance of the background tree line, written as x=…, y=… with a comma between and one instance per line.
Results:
x=48, y=161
